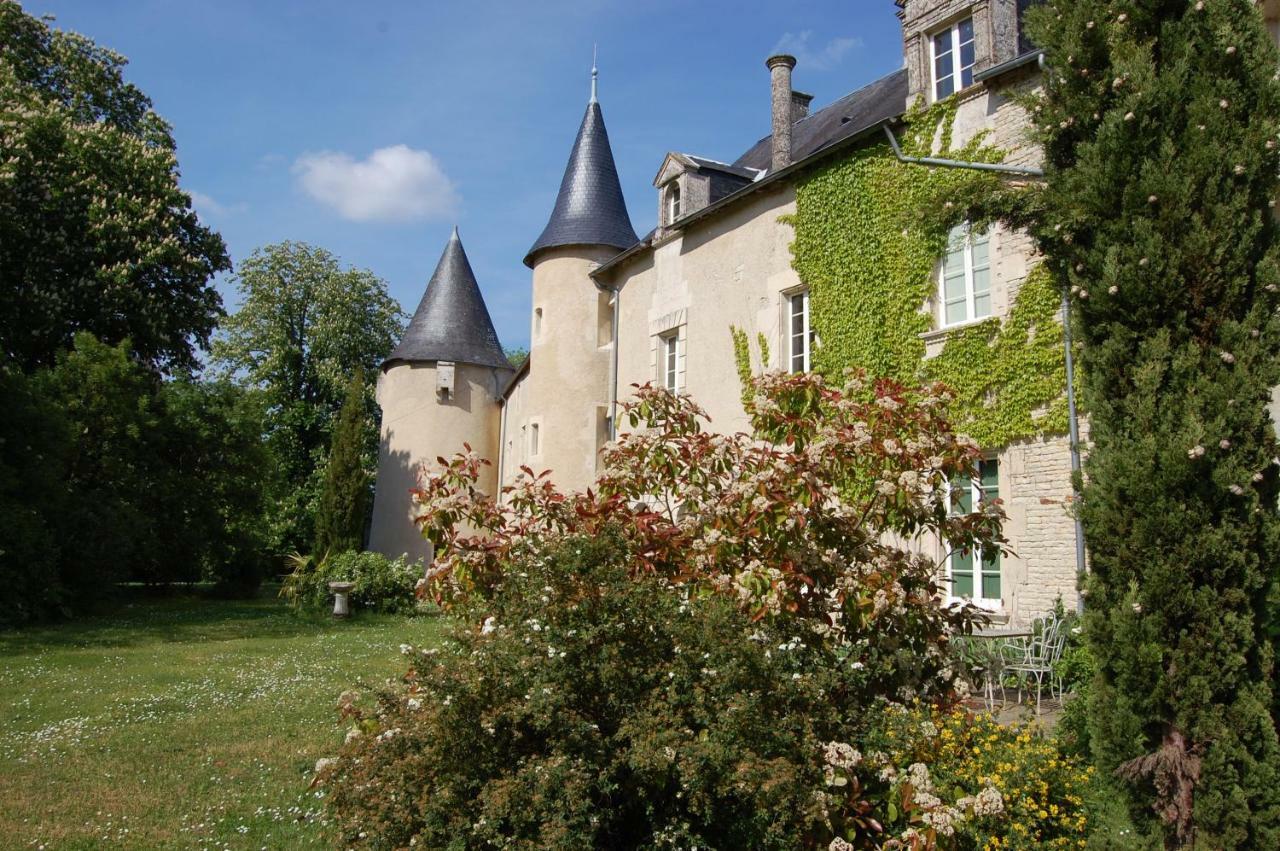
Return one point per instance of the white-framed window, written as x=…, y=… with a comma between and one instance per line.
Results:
x=954, y=54
x=534, y=440
x=673, y=202
x=669, y=361
x=799, y=332
x=975, y=574
x=964, y=288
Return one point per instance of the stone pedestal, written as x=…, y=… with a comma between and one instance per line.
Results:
x=341, y=598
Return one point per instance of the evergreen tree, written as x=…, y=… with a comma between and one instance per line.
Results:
x=344, y=501
x=1159, y=120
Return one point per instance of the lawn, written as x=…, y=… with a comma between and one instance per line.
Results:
x=183, y=722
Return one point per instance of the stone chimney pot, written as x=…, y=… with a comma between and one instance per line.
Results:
x=800, y=105
x=780, y=66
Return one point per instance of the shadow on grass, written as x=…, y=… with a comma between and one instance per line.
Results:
x=142, y=618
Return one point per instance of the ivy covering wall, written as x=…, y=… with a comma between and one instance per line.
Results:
x=869, y=252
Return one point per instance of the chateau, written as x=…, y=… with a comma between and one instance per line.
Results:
x=612, y=309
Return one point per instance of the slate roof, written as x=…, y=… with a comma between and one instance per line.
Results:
x=884, y=99
x=451, y=322
x=852, y=115
x=590, y=209
x=716, y=165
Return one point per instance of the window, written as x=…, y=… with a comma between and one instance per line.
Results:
x=673, y=203
x=799, y=333
x=953, y=57
x=537, y=322
x=976, y=575
x=1025, y=44
x=670, y=353
x=965, y=288
x=533, y=439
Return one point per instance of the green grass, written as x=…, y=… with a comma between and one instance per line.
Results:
x=186, y=722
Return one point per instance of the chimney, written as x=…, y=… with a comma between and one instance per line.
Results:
x=780, y=78
x=800, y=105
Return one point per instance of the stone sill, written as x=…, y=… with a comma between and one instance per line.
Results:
x=938, y=334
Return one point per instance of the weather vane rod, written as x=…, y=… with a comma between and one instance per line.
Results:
x=595, y=72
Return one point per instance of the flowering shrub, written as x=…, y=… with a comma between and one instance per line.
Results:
x=690, y=654
x=965, y=781
x=594, y=709
x=381, y=584
x=813, y=518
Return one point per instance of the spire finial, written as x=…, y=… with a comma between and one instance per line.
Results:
x=455, y=233
x=595, y=73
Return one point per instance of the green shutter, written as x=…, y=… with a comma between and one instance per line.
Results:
x=962, y=496
x=962, y=574
x=990, y=473
x=991, y=576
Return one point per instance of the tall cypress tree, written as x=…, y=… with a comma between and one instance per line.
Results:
x=344, y=501
x=1160, y=121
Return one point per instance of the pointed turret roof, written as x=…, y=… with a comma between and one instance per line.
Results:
x=451, y=322
x=590, y=209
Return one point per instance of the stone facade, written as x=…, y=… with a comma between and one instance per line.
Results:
x=604, y=318
x=420, y=423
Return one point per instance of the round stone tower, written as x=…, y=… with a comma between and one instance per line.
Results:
x=571, y=336
x=438, y=390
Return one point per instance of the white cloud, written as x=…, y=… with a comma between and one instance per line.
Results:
x=210, y=206
x=821, y=58
x=396, y=183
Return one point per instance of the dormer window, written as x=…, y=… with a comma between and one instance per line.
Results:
x=673, y=203
x=954, y=55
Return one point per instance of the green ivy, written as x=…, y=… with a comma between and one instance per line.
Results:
x=868, y=252
x=742, y=357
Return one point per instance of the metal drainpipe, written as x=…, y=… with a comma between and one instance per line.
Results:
x=502, y=433
x=1072, y=418
x=935, y=161
x=1074, y=430
x=613, y=376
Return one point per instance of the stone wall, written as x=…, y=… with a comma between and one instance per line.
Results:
x=730, y=270
x=418, y=425
x=566, y=392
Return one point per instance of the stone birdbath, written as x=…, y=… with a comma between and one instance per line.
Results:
x=341, y=598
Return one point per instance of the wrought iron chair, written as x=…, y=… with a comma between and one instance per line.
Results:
x=1042, y=652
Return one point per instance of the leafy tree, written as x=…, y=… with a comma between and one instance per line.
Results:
x=1159, y=122
x=115, y=415
x=108, y=474
x=210, y=490
x=304, y=326
x=516, y=356
x=35, y=448
x=95, y=233
x=344, y=502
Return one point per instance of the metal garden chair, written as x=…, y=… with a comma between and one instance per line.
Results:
x=1042, y=652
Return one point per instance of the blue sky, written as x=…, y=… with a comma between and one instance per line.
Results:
x=371, y=128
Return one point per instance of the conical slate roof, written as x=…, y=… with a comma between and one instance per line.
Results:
x=451, y=322
x=589, y=209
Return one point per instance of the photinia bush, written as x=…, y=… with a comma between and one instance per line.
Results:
x=689, y=654
x=824, y=515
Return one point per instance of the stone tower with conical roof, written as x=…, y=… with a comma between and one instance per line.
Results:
x=438, y=390
x=564, y=411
